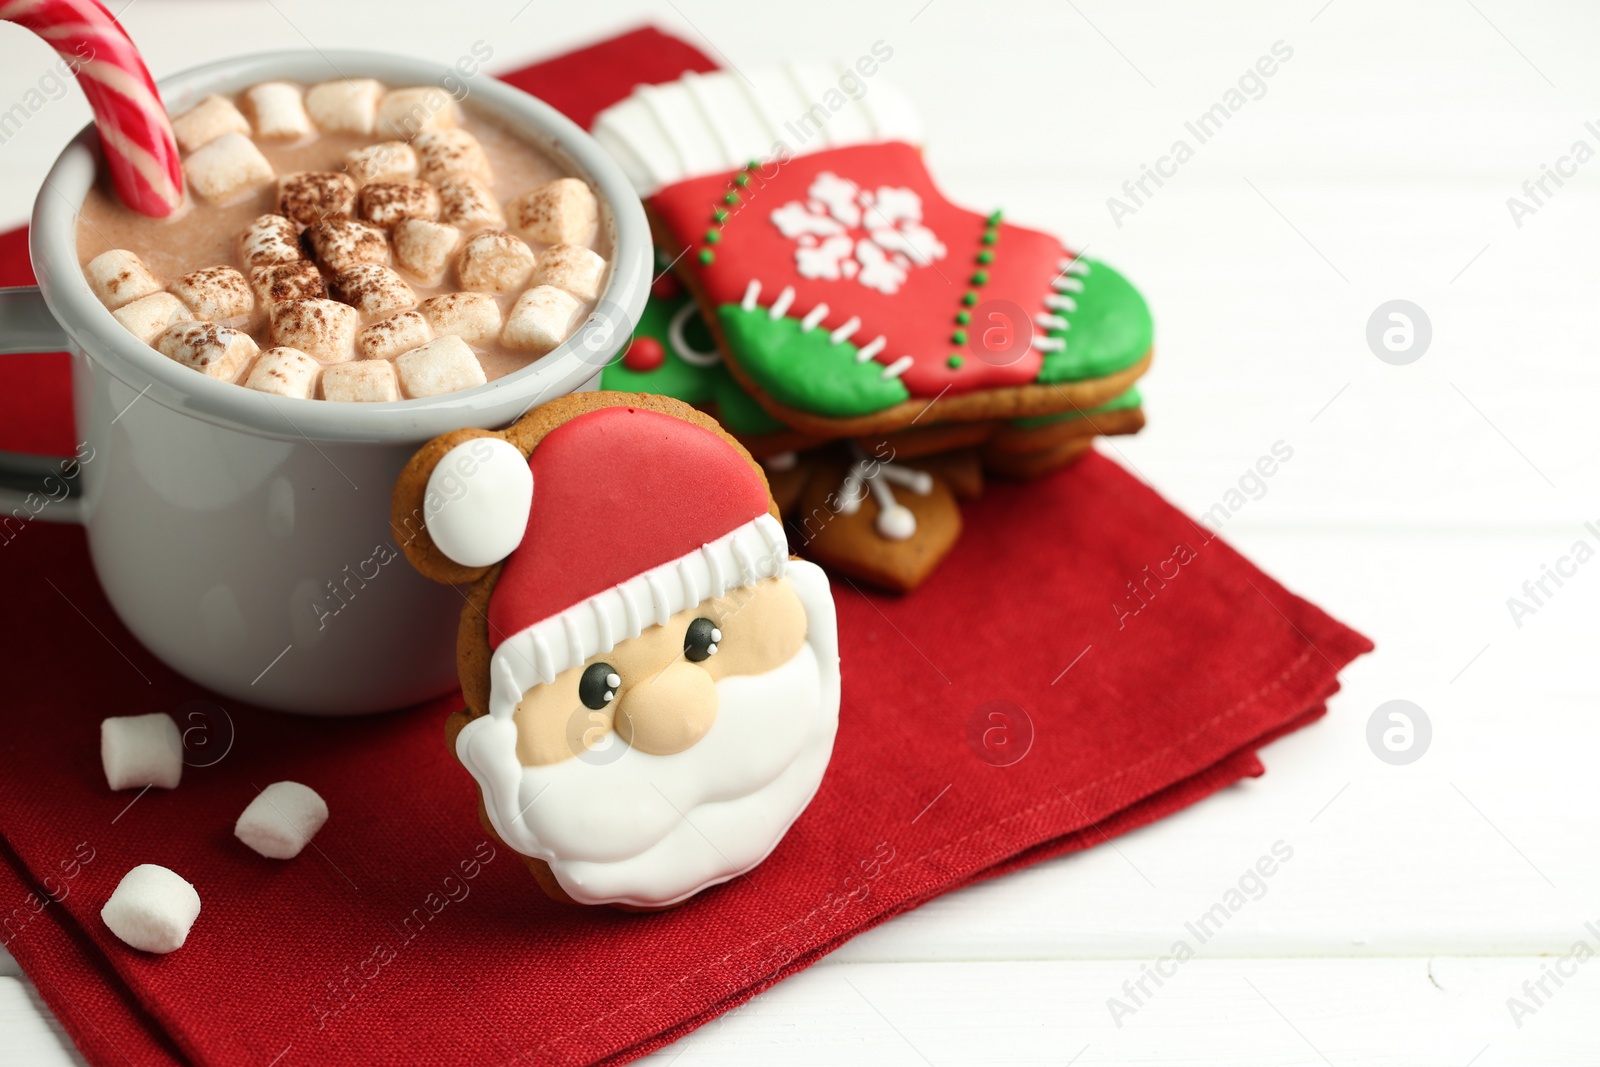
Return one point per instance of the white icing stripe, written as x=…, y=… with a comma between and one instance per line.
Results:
x=843, y=333
x=1068, y=285
x=658, y=599
x=706, y=124
x=1050, y=344
x=897, y=368
x=1051, y=322
x=543, y=663
x=780, y=306
x=715, y=118
x=751, y=292
x=569, y=630
x=871, y=349
x=691, y=590
x=813, y=317
x=602, y=623
x=1061, y=303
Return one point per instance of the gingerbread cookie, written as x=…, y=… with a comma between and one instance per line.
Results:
x=652, y=684
x=848, y=294
x=876, y=517
x=1032, y=448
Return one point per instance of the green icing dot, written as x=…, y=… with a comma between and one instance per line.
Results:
x=754, y=164
x=720, y=215
x=707, y=257
x=954, y=362
x=742, y=179
x=990, y=236
x=713, y=236
x=1111, y=330
x=986, y=256
x=730, y=197
x=994, y=217
x=963, y=317
x=804, y=369
x=980, y=278
x=970, y=299
x=959, y=337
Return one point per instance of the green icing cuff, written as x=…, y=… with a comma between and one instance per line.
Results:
x=1110, y=330
x=803, y=369
x=1130, y=399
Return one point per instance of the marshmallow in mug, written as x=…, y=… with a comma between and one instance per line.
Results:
x=393, y=235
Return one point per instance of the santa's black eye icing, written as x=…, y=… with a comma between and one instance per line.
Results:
x=598, y=686
x=700, y=640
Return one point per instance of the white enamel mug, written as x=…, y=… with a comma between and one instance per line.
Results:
x=244, y=538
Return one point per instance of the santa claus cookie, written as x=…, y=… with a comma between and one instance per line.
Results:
x=652, y=684
x=849, y=295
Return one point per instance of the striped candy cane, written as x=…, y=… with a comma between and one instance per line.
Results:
x=134, y=131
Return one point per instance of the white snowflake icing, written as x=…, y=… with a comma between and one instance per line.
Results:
x=842, y=231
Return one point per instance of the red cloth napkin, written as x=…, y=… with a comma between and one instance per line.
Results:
x=404, y=936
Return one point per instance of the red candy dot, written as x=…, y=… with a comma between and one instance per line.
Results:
x=644, y=354
x=666, y=287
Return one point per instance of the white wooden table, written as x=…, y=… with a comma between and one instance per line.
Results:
x=1376, y=166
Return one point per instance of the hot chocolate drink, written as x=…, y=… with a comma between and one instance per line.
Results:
x=349, y=241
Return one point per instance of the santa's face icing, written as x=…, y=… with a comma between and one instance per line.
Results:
x=697, y=764
x=659, y=692
x=663, y=679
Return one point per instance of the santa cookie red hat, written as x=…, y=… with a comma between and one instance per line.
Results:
x=621, y=518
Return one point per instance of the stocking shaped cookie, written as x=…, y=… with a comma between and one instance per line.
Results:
x=652, y=684
x=848, y=294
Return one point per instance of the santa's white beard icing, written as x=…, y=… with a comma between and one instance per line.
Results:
x=658, y=733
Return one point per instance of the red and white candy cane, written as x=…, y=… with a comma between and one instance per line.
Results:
x=134, y=131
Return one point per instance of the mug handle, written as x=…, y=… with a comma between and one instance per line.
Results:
x=26, y=325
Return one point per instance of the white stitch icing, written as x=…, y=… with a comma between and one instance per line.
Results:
x=897, y=368
x=871, y=349
x=780, y=306
x=751, y=292
x=1068, y=285
x=843, y=332
x=1051, y=322
x=1061, y=303
x=1050, y=344
x=813, y=317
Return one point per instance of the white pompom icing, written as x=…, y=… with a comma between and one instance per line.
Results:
x=478, y=500
x=152, y=909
